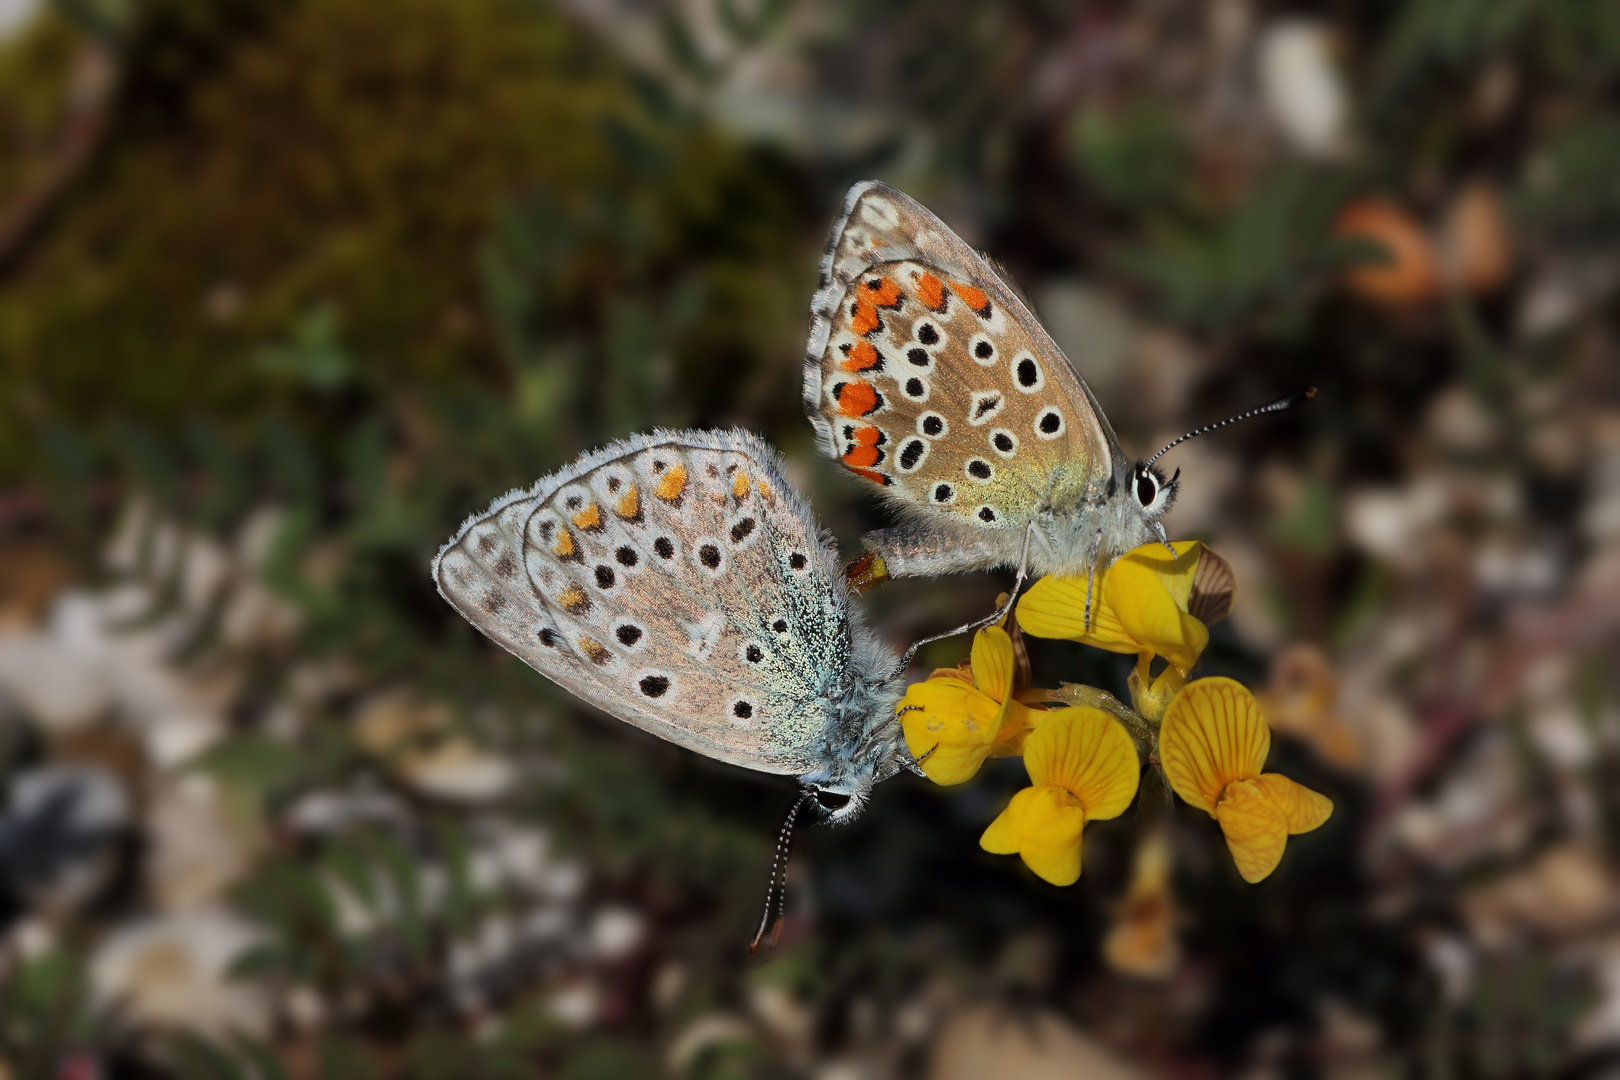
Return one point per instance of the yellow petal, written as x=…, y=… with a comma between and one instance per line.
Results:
x=1212, y=735
x=1148, y=592
x=1303, y=809
x=1179, y=573
x=948, y=766
x=1017, y=723
x=1088, y=753
x=1055, y=607
x=993, y=662
x=1255, y=826
x=1042, y=825
x=953, y=724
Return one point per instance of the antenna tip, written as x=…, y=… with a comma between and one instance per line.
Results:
x=1298, y=397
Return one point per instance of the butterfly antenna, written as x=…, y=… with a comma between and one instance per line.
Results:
x=784, y=841
x=1283, y=404
x=995, y=616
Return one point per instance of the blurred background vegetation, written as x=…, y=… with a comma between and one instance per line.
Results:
x=287, y=289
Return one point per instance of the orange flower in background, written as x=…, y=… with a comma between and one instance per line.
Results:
x=1084, y=767
x=1299, y=700
x=1470, y=252
x=1212, y=745
x=1476, y=240
x=1407, y=273
x=1142, y=941
x=953, y=720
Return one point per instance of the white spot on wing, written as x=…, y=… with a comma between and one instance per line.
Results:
x=984, y=406
x=976, y=345
x=704, y=634
x=879, y=212
x=915, y=458
x=1022, y=365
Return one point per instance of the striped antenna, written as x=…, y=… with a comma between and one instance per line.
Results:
x=1299, y=397
x=784, y=843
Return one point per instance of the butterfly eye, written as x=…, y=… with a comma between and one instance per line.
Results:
x=1146, y=489
x=831, y=800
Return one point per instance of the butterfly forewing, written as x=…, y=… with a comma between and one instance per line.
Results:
x=928, y=377
x=676, y=581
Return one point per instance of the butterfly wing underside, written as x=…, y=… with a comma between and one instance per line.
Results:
x=674, y=580
x=928, y=377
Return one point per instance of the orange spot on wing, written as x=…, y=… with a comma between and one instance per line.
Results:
x=673, y=483
x=739, y=486
x=564, y=547
x=886, y=294
x=589, y=518
x=870, y=474
x=863, y=455
x=629, y=504
x=858, y=399
x=595, y=650
x=862, y=355
x=867, y=436
x=865, y=318
x=973, y=298
x=573, y=600
x=765, y=491
x=931, y=291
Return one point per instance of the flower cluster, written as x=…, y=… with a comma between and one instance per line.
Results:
x=1085, y=751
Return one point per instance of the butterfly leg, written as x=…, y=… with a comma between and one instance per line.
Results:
x=1018, y=582
x=1164, y=538
x=916, y=766
x=1091, y=576
x=995, y=616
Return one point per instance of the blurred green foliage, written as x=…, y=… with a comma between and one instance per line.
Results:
x=349, y=186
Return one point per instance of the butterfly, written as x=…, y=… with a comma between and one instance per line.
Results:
x=927, y=375
x=677, y=581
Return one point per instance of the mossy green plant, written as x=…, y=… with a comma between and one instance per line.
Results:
x=304, y=173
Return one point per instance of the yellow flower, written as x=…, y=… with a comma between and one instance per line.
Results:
x=1142, y=941
x=1139, y=606
x=1212, y=745
x=1142, y=604
x=1084, y=768
x=958, y=719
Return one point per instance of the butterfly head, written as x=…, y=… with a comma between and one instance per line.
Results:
x=1152, y=492
x=840, y=807
x=869, y=745
x=839, y=791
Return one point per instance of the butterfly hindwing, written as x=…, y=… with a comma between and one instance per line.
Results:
x=675, y=580
x=927, y=376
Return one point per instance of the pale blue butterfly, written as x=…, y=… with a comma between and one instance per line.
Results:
x=678, y=581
